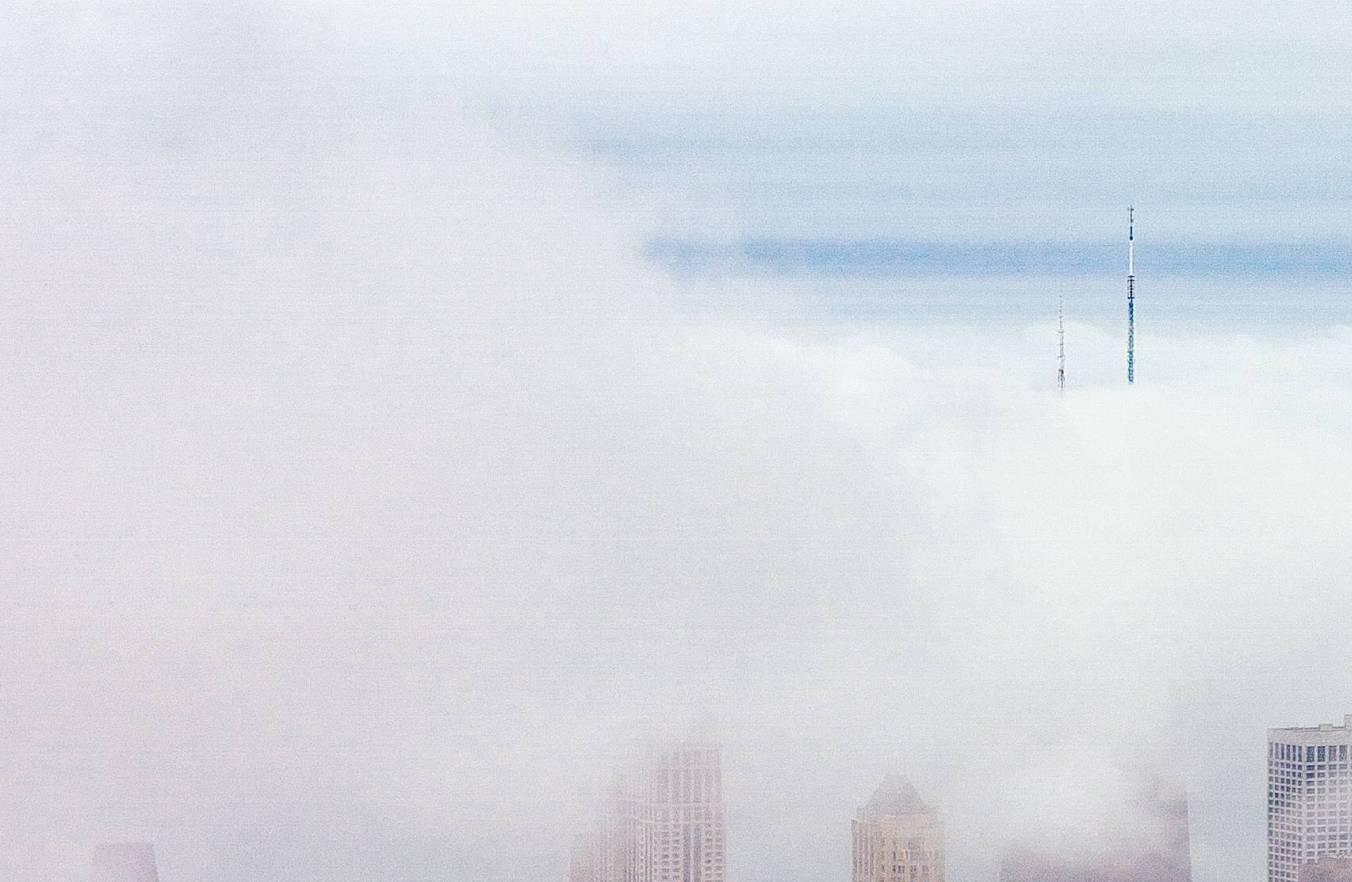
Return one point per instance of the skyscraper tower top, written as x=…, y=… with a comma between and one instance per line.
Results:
x=895, y=796
x=1061, y=343
x=1131, y=294
x=661, y=821
x=897, y=837
x=1309, y=797
x=1334, y=731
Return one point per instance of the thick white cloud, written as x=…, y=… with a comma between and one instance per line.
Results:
x=364, y=493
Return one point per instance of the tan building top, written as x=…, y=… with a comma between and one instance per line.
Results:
x=897, y=837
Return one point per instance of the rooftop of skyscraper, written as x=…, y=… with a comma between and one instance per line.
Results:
x=1287, y=731
x=896, y=795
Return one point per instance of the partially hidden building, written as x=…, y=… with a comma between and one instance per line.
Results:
x=661, y=821
x=1309, y=805
x=1147, y=840
x=897, y=837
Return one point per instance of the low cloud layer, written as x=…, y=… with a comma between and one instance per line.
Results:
x=366, y=494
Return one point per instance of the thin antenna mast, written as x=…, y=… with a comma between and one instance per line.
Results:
x=1061, y=342
x=1131, y=295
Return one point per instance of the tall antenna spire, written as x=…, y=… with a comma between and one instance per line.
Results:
x=1131, y=294
x=1061, y=342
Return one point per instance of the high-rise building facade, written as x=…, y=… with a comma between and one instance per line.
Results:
x=897, y=838
x=662, y=821
x=1309, y=797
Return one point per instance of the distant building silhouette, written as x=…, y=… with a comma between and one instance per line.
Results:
x=897, y=838
x=1309, y=798
x=125, y=862
x=662, y=821
x=1150, y=844
x=1326, y=869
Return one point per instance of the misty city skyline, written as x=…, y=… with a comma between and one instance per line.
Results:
x=372, y=482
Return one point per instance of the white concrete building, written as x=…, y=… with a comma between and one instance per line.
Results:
x=1309, y=796
x=661, y=822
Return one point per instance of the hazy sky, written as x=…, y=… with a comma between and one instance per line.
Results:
x=957, y=140
x=367, y=492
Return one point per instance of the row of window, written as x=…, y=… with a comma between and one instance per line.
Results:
x=1295, y=805
x=1308, y=752
x=1296, y=771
